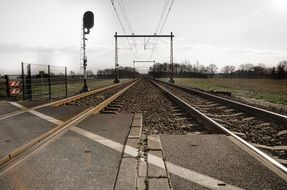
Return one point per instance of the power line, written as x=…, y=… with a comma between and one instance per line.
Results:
x=122, y=26
x=161, y=28
x=162, y=14
x=122, y=7
x=160, y=20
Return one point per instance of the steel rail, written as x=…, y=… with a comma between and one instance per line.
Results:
x=250, y=109
x=52, y=133
x=61, y=102
x=280, y=169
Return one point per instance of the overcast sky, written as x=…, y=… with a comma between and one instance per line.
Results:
x=223, y=32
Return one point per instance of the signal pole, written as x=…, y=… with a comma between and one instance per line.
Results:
x=85, y=87
x=88, y=23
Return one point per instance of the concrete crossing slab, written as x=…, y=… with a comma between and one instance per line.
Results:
x=85, y=157
x=17, y=131
x=62, y=113
x=71, y=162
x=6, y=107
x=213, y=161
x=111, y=126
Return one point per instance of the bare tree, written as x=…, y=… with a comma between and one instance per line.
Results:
x=228, y=69
x=246, y=67
x=212, y=69
x=282, y=70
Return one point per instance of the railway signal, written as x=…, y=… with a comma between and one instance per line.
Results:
x=88, y=23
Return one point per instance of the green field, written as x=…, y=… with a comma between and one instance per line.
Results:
x=274, y=91
x=58, y=91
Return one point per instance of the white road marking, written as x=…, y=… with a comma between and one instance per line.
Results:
x=192, y=176
x=46, y=117
x=41, y=115
x=18, y=105
x=102, y=140
x=198, y=178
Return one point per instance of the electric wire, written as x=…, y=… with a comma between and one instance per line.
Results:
x=122, y=26
x=122, y=7
x=160, y=21
x=124, y=12
x=153, y=48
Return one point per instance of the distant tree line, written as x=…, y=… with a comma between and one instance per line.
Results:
x=124, y=72
x=197, y=70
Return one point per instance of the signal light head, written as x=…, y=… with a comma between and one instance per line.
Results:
x=88, y=20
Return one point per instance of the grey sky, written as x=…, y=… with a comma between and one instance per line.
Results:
x=213, y=31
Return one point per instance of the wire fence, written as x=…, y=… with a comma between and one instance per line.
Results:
x=43, y=82
x=38, y=82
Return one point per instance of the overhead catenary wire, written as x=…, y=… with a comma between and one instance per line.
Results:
x=153, y=48
x=160, y=20
x=122, y=7
x=123, y=10
x=122, y=26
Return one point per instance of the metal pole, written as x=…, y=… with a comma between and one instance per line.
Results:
x=116, y=60
x=29, y=82
x=171, y=58
x=134, y=69
x=66, y=82
x=23, y=80
x=7, y=86
x=49, y=82
x=154, y=70
x=85, y=87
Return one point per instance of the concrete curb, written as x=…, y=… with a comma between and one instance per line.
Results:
x=128, y=176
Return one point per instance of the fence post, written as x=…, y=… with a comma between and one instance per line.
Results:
x=7, y=86
x=49, y=82
x=66, y=82
x=23, y=84
x=28, y=82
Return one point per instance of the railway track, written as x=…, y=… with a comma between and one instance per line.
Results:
x=166, y=110
x=175, y=110
x=101, y=98
x=263, y=129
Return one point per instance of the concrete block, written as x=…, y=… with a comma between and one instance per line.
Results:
x=137, y=123
x=127, y=175
x=138, y=116
x=158, y=184
x=157, y=153
x=155, y=171
x=154, y=142
x=141, y=184
x=135, y=132
x=142, y=168
x=133, y=142
x=132, y=154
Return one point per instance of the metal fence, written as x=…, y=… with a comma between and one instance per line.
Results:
x=35, y=83
x=43, y=82
x=39, y=82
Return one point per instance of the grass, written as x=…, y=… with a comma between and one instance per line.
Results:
x=58, y=91
x=274, y=91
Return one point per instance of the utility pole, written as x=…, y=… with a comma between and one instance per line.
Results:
x=154, y=70
x=116, y=60
x=142, y=36
x=88, y=23
x=134, y=69
x=171, y=58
